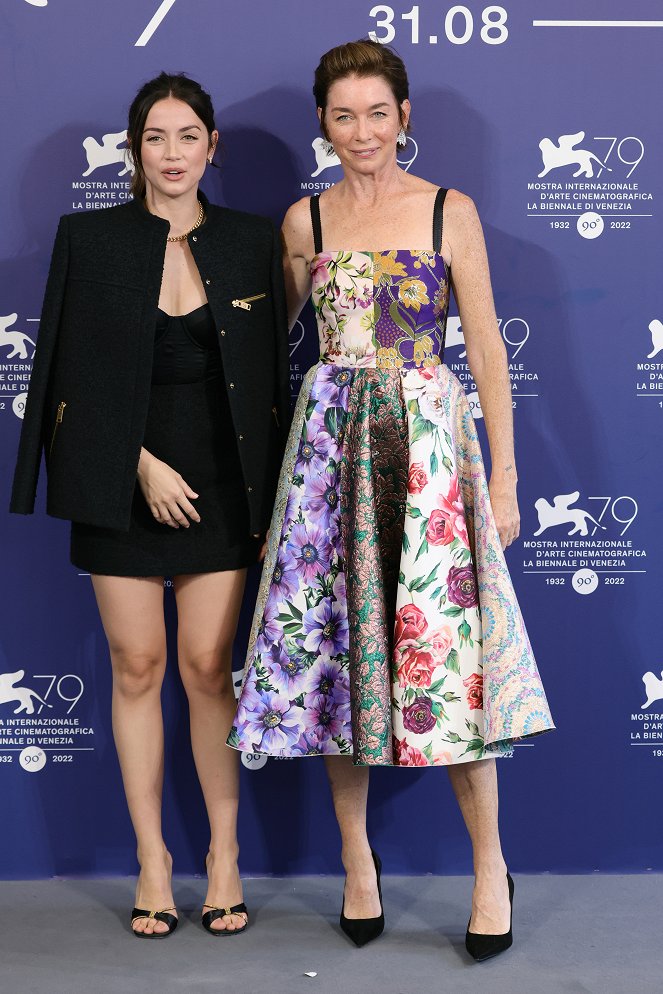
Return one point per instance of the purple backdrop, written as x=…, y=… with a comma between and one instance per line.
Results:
x=555, y=132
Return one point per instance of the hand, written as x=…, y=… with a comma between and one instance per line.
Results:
x=167, y=495
x=263, y=551
x=505, y=509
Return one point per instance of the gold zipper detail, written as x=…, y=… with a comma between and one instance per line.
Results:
x=245, y=302
x=58, y=421
x=276, y=417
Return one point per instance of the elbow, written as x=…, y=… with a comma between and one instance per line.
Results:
x=487, y=359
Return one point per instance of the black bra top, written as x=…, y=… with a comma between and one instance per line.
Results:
x=186, y=347
x=438, y=218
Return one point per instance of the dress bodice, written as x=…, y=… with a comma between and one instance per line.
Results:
x=381, y=309
x=186, y=347
x=386, y=310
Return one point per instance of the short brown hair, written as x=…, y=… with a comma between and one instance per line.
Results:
x=361, y=58
x=165, y=85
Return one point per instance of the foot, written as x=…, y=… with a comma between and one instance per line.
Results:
x=491, y=910
x=361, y=886
x=154, y=891
x=224, y=890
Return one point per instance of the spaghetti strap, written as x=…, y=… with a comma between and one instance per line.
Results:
x=314, y=203
x=438, y=211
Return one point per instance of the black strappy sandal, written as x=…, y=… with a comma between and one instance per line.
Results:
x=214, y=914
x=161, y=916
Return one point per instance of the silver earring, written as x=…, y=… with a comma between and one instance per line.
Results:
x=401, y=138
x=327, y=147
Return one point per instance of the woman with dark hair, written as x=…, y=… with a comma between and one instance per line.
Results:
x=160, y=392
x=387, y=630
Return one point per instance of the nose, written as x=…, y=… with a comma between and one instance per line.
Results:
x=362, y=130
x=172, y=149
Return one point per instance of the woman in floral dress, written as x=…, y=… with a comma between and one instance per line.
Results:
x=387, y=631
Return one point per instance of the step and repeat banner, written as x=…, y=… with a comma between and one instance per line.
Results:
x=552, y=124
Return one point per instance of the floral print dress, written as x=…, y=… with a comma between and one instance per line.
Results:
x=386, y=626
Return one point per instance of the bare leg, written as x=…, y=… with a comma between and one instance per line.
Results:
x=475, y=787
x=349, y=787
x=208, y=606
x=131, y=610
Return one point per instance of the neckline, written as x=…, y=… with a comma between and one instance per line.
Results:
x=178, y=316
x=138, y=206
x=437, y=255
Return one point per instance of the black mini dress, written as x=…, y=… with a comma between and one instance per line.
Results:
x=189, y=426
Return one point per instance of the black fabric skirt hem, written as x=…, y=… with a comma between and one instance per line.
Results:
x=144, y=571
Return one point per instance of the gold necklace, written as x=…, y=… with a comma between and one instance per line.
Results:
x=199, y=221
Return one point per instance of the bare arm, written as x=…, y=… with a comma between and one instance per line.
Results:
x=297, y=251
x=486, y=355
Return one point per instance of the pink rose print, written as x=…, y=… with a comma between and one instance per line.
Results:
x=408, y=755
x=416, y=478
x=439, y=530
x=410, y=622
x=442, y=641
x=415, y=665
x=452, y=508
x=474, y=684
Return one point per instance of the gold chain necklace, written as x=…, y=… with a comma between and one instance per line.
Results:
x=199, y=221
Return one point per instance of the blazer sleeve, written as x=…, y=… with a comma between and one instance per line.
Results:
x=282, y=373
x=28, y=462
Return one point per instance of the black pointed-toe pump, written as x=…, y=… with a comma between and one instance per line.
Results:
x=482, y=947
x=363, y=930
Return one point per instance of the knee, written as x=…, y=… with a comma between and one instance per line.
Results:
x=208, y=673
x=136, y=673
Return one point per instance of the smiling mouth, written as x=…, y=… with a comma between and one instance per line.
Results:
x=364, y=151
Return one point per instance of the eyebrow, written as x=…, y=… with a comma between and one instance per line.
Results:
x=162, y=130
x=349, y=109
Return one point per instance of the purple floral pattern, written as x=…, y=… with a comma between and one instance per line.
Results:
x=300, y=643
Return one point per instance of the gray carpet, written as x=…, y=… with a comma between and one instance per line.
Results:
x=575, y=934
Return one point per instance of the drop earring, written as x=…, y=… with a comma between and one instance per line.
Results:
x=327, y=147
x=401, y=138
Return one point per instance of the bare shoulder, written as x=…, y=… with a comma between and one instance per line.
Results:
x=459, y=209
x=297, y=230
x=463, y=233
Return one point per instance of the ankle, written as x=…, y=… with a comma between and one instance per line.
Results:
x=357, y=858
x=153, y=856
x=494, y=868
x=223, y=852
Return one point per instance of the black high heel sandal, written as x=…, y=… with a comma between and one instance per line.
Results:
x=482, y=947
x=214, y=914
x=363, y=930
x=161, y=916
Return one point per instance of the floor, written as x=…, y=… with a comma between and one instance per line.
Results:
x=576, y=934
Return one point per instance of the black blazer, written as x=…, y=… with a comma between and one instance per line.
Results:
x=95, y=349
